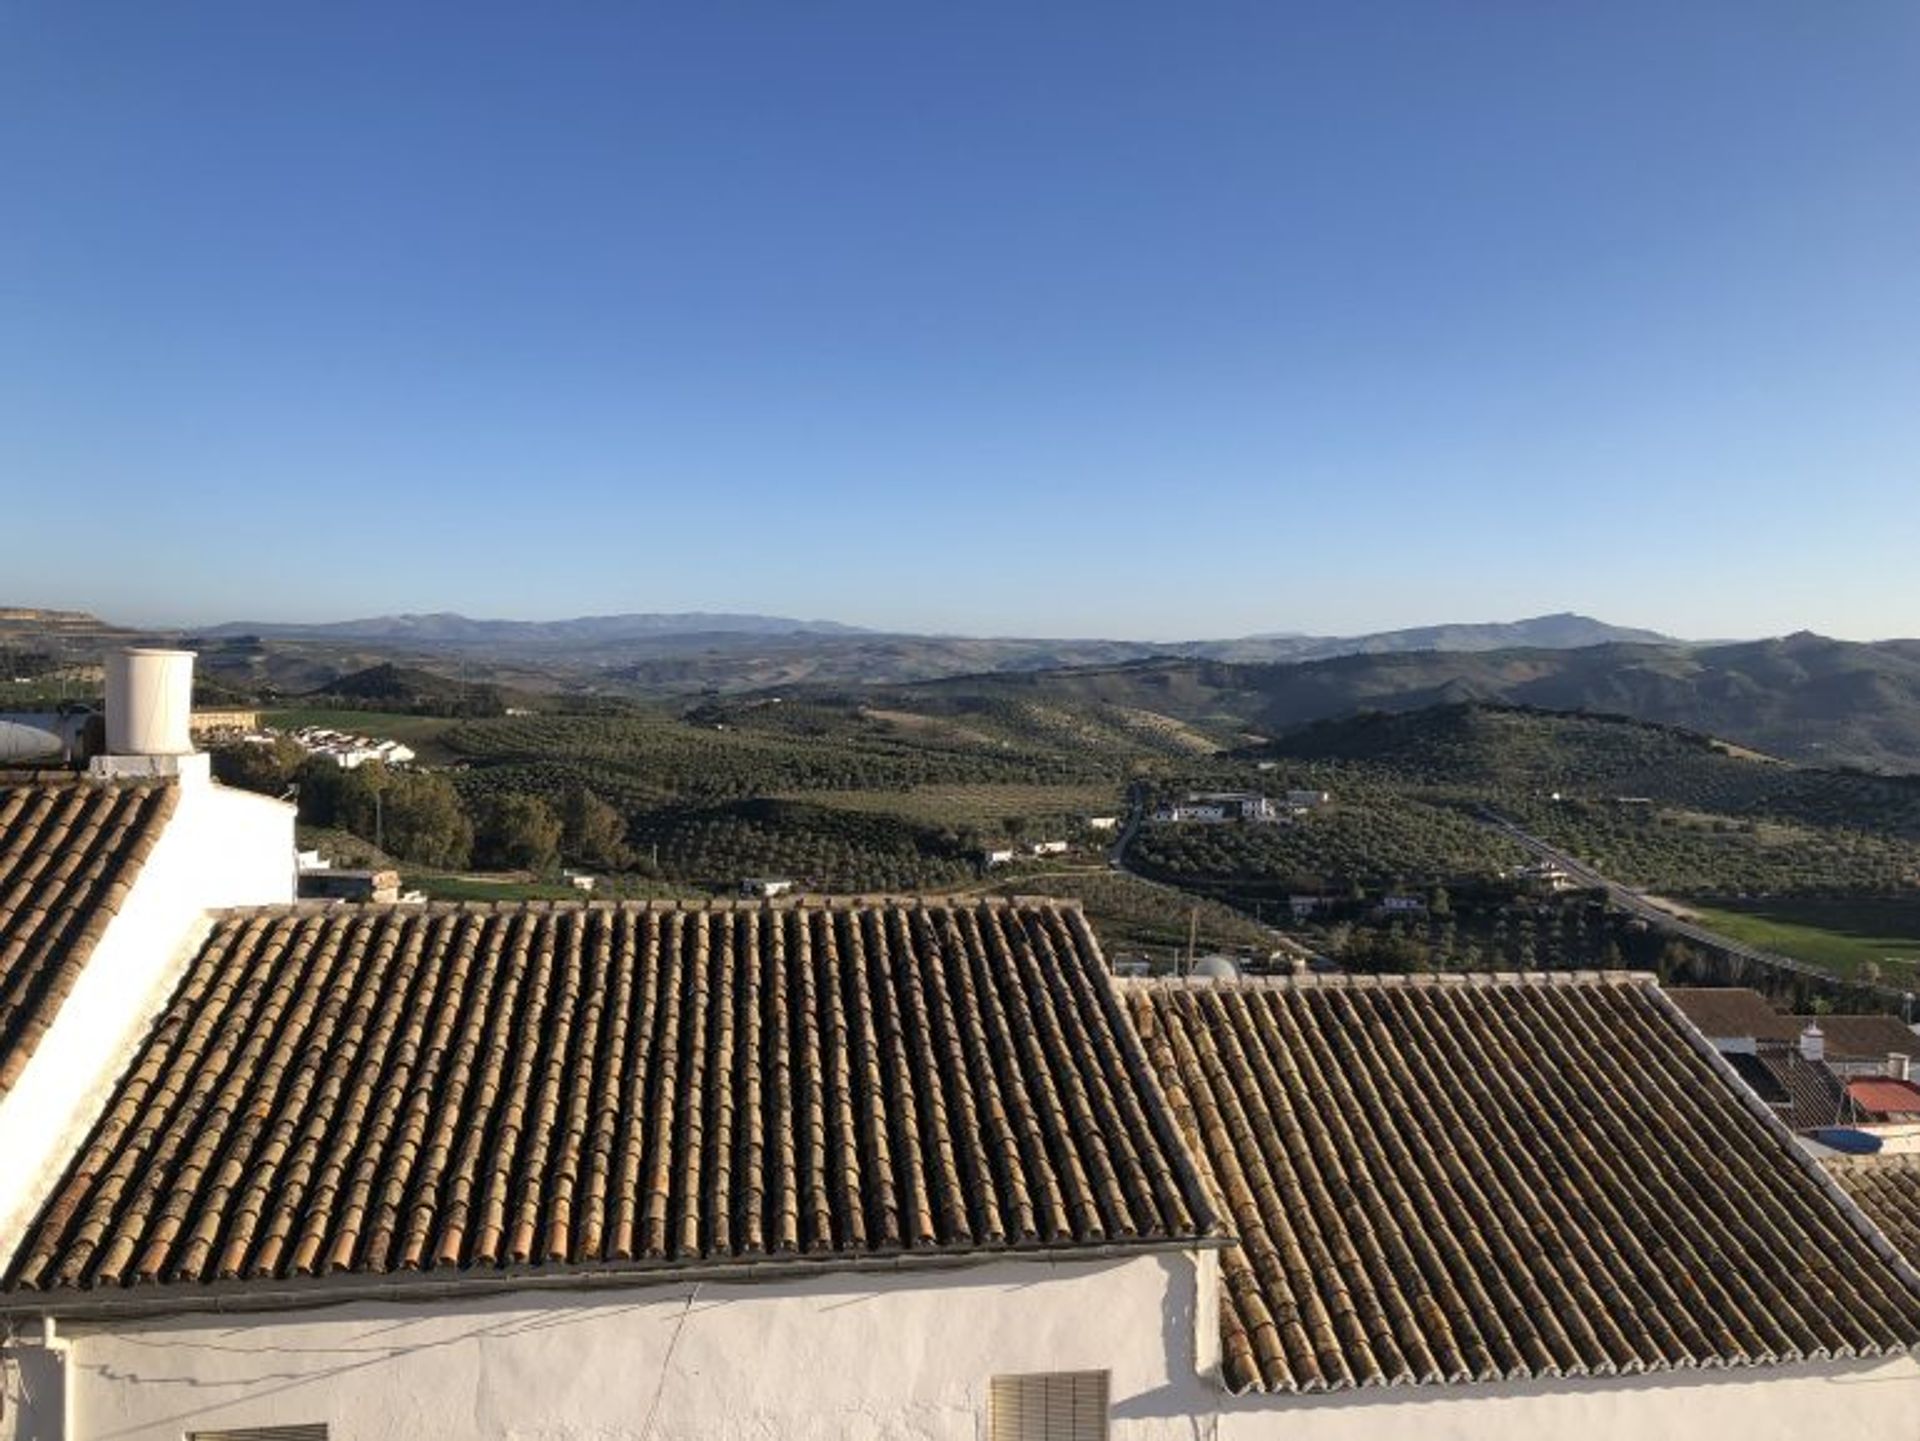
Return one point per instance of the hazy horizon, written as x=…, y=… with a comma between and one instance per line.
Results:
x=1087, y=321
x=162, y=623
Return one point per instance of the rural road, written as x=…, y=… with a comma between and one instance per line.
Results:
x=1635, y=904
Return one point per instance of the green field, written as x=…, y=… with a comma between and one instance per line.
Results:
x=1130, y=914
x=487, y=888
x=1844, y=935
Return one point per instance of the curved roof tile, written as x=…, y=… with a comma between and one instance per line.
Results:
x=470, y=1090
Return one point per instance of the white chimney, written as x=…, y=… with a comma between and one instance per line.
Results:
x=1813, y=1042
x=150, y=702
x=149, y=716
x=1897, y=1065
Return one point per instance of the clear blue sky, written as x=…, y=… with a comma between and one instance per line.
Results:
x=1106, y=318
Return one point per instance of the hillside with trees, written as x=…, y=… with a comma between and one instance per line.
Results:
x=1803, y=697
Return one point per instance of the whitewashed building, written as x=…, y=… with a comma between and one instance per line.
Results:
x=614, y=1170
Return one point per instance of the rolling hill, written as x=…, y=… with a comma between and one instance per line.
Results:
x=1803, y=697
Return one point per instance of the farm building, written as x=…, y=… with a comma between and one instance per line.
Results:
x=1218, y=808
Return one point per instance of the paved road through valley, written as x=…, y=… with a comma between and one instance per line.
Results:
x=1634, y=903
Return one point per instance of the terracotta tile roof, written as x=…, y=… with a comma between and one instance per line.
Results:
x=69, y=852
x=1468, y=1179
x=1887, y=1188
x=1802, y=1093
x=464, y=1090
x=1883, y=1097
x=1733, y=1012
x=1865, y=1038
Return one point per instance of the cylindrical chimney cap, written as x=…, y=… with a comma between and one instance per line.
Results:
x=150, y=702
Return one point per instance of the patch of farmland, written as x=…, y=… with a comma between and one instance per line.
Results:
x=972, y=805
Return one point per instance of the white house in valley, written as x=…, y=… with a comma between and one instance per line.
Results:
x=1217, y=808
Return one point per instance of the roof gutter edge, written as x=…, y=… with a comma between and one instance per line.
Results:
x=245, y=1296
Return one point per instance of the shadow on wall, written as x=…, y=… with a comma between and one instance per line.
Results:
x=1186, y=1396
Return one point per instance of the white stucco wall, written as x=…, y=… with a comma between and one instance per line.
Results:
x=1824, y=1401
x=907, y=1354
x=220, y=848
x=838, y=1355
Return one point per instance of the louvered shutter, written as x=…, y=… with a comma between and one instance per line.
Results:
x=1050, y=1406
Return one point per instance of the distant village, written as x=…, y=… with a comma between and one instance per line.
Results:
x=344, y=748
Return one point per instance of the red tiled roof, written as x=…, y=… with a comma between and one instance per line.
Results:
x=69, y=853
x=468, y=1090
x=1443, y=1180
x=1885, y=1096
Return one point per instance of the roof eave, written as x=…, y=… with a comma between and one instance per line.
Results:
x=306, y=1293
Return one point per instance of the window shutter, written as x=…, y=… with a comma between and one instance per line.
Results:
x=1050, y=1406
x=315, y=1431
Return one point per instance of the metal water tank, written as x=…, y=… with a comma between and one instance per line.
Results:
x=56, y=737
x=1216, y=968
x=31, y=737
x=150, y=702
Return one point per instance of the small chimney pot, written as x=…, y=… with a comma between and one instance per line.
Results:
x=1813, y=1043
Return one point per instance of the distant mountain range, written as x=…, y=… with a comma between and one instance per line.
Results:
x=1803, y=697
x=446, y=630
x=1563, y=631
x=693, y=652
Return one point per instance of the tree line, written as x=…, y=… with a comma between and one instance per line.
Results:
x=420, y=817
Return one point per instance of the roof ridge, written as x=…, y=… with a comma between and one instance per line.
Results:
x=697, y=905
x=63, y=780
x=1345, y=981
